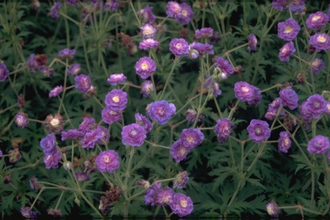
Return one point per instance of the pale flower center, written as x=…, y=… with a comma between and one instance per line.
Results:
x=284, y=49
x=315, y=63
x=184, y=13
x=148, y=31
x=316, y=104
x=115, y=99
x=321, y=39
x=133, y=132
x=144, y=66
x=55, y=122
x=190, y=139
x=286, y=141
x=245, y=89
x=316, y=17
x=288, y=29
x=178, y=45
x=106, y=159
x=182, y=151
x=112, y=113
x=184, y=203
x=258, y=130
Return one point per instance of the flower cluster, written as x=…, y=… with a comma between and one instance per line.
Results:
x=179, y=47
x=223, y=129
x=116, y=100
x=247, y=92
x=273, y=108
x=258, y=130
x=320, y=41
x=52, y=154
x=133, y=135
x=289, y=98
x=317, y=20
x=107, y=161
x=144, y=67
x=161, y=111
x=318, y=145
x=286, y=51
x=288, y=30
x=21, y=120
x=313, y=107
x=180, y=12
x=284, y=142
x=116, y=79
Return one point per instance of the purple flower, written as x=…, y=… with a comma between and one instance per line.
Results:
x=179, y=47
x=107, y=161
x=288, y=30
x=317, y=20
x=51, y=161
x=133, y=135
x=83, y=82
x=152, y=194
x=318, y=145
x=56, y=91
x=317, y=65
x=247, y=92
x=147, y=15
x=147, y=44
x=289, y=98
x=81, y=176
x=224, y=65
x=21, y=120
x=116, y=79
x=185, y=15
x=74, y=69
x=173, y=9
x=284, y=142
x=192, y=114
x=86, y=124
x=201, y=48
x=191, y=137
x=34, y=183
x=272, y=208
x=286, y=51
x=204, y=32
x=144, y=122
x=67, y=53
x=273, y=107
x=105, y=133
x=252, y=42
x=112, y=5
x=48, y=144
x=258, y=130
x=148, y=31
x=316, y=105
x=46, y=71
x=72, y=134
x=180, y=180
x=280, y=4
x=182, y=205
x=116, y=100
x=91, y=137
x=223, y=129
x=144, y=67
x=27, y=213
x=164, y=196
x=32, y=63
x=146, y=88
x=73, y=2
x=305, y=111
x=178, y=151
x=320, y=41
x=1, y=153
x=295, y=5
x=110, y=116
x=160, y=111
x=54, y=13
x=3, y=72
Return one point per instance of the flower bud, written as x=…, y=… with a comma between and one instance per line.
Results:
x=193, y=54
x=67, y=165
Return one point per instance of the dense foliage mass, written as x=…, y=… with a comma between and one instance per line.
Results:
x=121, y=108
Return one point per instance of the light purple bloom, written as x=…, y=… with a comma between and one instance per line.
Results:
x=144, y=122
x=180, y=180
x=81, y=176
x=67, y=53
x=201, y=48
x=258, y=130
x=185, y=15
x=56, y=91
x=223, y=129
x=284, y=142
x=105, y=133
x=273, y=107
x=164, y=196
x=320, y=41
x=317, y=65
x=179, y=47
x=133, y=135
x=72, y=134
x=116, y=79
x=191, y=137
x=144, y=67
x=116, y=100
x=112, y=5
x=289, y=98
x=146, y=88
x=316, y=105
x=27, y=213
x=173, y=9
x=204, y=32
x=247, y=92
x=21, y=120
x=252, y=42
x=147, y=44
x=91, y=137
x=3, y=72
x=288, y=30
x=51, y=161
x=110, y=116
x=160, y=111
x=86, y=124
x=182, y=205
x=286, y=51
x=83, y=82
x=317, y=20
x=318, y=145
x=178, y=151
x=48, y=144
x=272, y=209
x=147, y=15
x=151, y=195
x=74, y=69
x=305, y=111
x=296, y=5
x=224, y=65
x=32, y=63
x=148, y=31
x=46, y=71
x=107, y=161
x=54, y=13
x=192, y=114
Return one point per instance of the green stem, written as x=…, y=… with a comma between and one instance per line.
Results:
x=58, y=202
x=91, y=205
x=176, y=60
